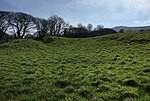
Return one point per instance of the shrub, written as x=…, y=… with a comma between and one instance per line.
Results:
x=146, y=70
x=62, y=83
x=132, y=83
x=128, y=96
x=69, y=89
x=47, y=39
x=86, y=93
x=103, y=89
x=96, y=84
x=30, y=72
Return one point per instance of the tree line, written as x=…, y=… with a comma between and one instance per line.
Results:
x=21, y=24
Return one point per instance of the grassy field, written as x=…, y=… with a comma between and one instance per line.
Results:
x=105, y=68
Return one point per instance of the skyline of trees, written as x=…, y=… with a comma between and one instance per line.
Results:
x=20, y=24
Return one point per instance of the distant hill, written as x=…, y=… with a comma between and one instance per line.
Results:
x=142, y=28
x=118, y=28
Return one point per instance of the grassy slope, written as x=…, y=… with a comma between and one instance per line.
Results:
x=105, y=68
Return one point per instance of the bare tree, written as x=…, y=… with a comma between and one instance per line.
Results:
x=4, y=21
x=56, y=25
x=42, y=26
x=89, y=27
x=79, y=25
x=21, y=23
x=99, y=27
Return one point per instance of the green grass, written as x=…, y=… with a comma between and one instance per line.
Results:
x=105, y=68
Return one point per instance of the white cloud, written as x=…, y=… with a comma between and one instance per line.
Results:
x=114, y=5
x=113, y=11
x=146, y=22
x=105, y=3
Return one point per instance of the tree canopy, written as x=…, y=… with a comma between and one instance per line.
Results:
x=21, y=24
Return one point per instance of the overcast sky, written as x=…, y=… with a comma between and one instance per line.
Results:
x=109, y=13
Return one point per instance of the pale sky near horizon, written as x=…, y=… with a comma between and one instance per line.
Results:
x=109, y=13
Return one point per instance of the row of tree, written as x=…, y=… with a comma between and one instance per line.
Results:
x=20, y=24
x=82, y=31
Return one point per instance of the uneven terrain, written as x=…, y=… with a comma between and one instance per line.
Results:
x=105, y=68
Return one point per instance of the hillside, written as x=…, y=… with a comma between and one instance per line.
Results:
x=112, y=67
x=142, y=28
